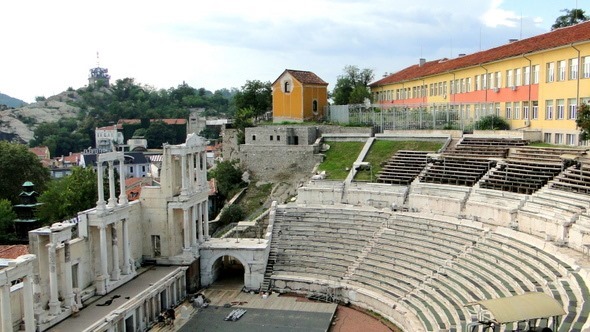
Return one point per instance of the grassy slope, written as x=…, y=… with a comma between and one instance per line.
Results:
x=340, y=157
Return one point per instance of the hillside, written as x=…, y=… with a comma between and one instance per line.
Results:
x=10, y=101
x=18, y=124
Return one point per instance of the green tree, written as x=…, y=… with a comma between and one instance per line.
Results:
x=7, y=216
x=243, y=120
x=17, y=165
x=353, y=86
x=159, y=133
x=232, y=213
x=491, y=122
x=67, y=196
x=571, y=17
x=228, y=176
x=256, y=95
x=583, y=121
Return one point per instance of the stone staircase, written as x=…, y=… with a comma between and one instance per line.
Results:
x=272, y=258
x=361, y=258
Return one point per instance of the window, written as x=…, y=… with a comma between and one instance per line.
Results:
x=562, y=68
x=156, y=248
x=574, y=69
x=440, y=88
x=509, y=79
x=587, y=67
x=508, y=110
x=527, y=75
x=535, y=110
x=468, y=88
x=525, y=110
x=444, y=87
x=287, y=88
x=572, y=113
x=253, y=137
x=518, y=77
x=536, y=74
x=314, y=106
x=558, y=138
x=143, y=168
x=550, y=72
x=570, y=139
x=560, y=109
x=498, y=80
x=130, y=169
x=278, y=138
x=549, y=109
x=271, y=137
x=516, y=110
x=547, y=137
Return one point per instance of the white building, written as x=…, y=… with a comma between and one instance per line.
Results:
x=106, y=137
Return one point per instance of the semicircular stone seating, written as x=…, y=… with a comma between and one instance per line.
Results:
x=431, y=266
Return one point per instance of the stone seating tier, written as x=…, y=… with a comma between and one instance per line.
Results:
x=431, y=266
x=403, y=167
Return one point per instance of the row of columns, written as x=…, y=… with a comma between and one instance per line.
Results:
x=193, y=168
x=195, y=224
x=175, y=291
x=101, y=204
x=117, y=268
x=25, y=275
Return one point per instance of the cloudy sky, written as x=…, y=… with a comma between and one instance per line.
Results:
x=48, y=46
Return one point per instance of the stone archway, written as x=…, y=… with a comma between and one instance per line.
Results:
x=229, y=271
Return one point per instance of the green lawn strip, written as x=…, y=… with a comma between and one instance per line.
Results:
x=382, y=150
x=340, y=157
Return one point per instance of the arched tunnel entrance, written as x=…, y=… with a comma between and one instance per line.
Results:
x=228, y=271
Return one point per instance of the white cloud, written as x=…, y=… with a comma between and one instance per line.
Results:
x=52, y=44
x=496, y=16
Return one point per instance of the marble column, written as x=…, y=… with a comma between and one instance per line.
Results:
x=123, y=193
x=183, y=190
x=5, y=310
x=112, y=198
x=104, y=270
x=192, y=171
x=199, y=223
x=205, y=205
x=100, y=204
x=186, y=230
x=193, y=226
x=68, y=291
x=54, y=303
x=116, y=272
x=126, y=253
x=29, y=313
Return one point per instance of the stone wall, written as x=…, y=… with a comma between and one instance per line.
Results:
x=230, y=149
x=331, y=129
x=280, y=135
x=267, y=161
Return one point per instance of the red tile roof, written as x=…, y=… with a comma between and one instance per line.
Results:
x=73, y=158
x=305, y=77
x=13, y=251
x=557, y=38
x=41, y=151
x=212, y=187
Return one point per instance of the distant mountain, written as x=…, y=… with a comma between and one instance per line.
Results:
x=10, y=101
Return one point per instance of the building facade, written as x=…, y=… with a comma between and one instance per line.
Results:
x=535, y=84
x=299, y=96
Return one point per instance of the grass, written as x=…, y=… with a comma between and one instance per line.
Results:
x=339, y=158
x=382, y=150
x=252, y=203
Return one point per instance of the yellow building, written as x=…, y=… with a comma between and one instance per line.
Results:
x=535, y=83
x=299, y=96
